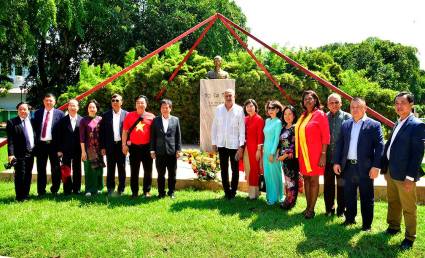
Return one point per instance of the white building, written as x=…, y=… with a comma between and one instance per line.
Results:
x=14, y=95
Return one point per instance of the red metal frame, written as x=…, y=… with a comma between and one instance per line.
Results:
x=211, y=20
x=325, y=83
x=163, y=89
x=137, y=63
x=244, y=45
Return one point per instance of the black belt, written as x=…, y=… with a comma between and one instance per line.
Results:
x=140, y=145
x=117, y=142
x=46, y=142
x=352, y=161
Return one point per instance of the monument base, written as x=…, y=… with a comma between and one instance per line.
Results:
x=211, y=95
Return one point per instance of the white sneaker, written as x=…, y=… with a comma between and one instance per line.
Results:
x=88, y=194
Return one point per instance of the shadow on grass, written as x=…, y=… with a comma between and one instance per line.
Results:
x=323, y=234
x=335, y=239
x=263, y=217
x=99, y=199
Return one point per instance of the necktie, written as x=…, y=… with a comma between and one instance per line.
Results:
x=43, y=131
x=27, y=138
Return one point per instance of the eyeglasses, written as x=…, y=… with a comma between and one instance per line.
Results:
x=271, y=108
x=115, y=100
x=333, y=102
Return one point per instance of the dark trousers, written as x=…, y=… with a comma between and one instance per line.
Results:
x=23, y=174
x=224, y=155
x=352, y=181
x=140, y=153
x=115, y=158
x=44, y=151
x=329, y=190
x=166, y=162
x=72, y=184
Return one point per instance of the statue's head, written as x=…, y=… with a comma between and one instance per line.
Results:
x=217, y=61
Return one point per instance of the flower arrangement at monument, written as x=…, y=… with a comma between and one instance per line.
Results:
x=205, y=165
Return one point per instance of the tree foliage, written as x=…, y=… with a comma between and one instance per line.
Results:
x=391, y=65
x=251, y=82
x=53, y=37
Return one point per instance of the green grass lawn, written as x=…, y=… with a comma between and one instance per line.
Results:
x=3, y=157
x=196, y=224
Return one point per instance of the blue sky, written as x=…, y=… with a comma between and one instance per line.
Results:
x=309, y=23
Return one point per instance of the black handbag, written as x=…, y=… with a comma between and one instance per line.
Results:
x=262, y=184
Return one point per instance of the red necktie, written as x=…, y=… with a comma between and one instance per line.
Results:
x=43, y=131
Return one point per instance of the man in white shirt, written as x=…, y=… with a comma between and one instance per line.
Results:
x=402, y=160
x=228, y=137
x=20, y=138
x=45, y=122
x=110, y=144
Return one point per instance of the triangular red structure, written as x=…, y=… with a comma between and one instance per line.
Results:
x=230, y=26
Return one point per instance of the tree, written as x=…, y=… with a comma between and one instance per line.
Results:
x=162, y=20
x=52, y=37
x=391, y=65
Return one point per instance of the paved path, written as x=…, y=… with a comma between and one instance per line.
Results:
x=184, y=171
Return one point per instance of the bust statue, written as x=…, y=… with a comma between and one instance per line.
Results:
x=217, y=73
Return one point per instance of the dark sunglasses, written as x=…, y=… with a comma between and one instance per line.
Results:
x=115, y=100
x=271, y=108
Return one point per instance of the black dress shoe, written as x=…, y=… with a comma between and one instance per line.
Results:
x=146, y=195
x=348, y=223
x=340, y=213
x=329, y=214
x=366, y=229
x=406, y=244
x=228, y=197
x=160, y=196
x=285, y=206
x=392, y=232
x=134, y=196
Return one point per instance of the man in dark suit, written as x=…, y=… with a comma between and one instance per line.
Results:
x=166, y=147
x=45, y=121
x=358, y=157
x=402, y=160
x=67, y=138
x=110, y=144
x=20, y=139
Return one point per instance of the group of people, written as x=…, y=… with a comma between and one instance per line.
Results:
x=66, y=140
x=344, y=147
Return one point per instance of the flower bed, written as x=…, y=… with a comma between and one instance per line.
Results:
x=205, y=165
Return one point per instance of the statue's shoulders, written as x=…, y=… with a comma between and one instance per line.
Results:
x=211, y=75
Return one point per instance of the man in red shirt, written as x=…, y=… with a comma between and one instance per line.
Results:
x=136, y=140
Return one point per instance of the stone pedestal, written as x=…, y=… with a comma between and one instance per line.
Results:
x=211, y=95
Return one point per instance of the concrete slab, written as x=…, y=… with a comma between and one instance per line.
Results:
x=187, y=178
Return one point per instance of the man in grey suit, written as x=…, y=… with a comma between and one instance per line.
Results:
x=166, y=147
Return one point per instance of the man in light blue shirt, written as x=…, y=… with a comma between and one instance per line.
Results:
x=358, y=158
x=354, y=137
